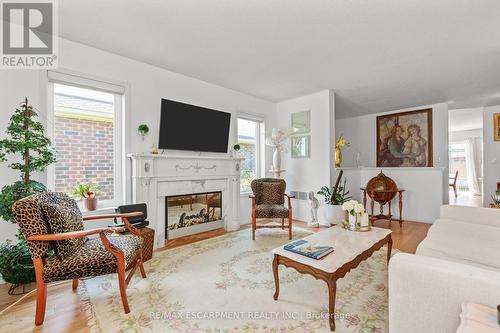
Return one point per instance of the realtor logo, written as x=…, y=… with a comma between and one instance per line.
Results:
x=29, y=36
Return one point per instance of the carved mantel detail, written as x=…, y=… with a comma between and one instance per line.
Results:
x=196, y=167
x=156, y=176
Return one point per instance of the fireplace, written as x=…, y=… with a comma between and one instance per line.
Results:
x=193, y=213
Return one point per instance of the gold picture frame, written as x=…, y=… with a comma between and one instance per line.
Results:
x=496, y=126
x=405, y=139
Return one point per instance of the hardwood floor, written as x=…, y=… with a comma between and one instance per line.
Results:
x=64, y=313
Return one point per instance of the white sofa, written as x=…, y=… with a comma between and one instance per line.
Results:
x=458, y=261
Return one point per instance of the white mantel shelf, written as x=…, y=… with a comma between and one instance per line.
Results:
x=187, y=157
x=156, y=176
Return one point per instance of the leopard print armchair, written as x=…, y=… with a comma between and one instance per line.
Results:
x=268, y=201
x=51, y=220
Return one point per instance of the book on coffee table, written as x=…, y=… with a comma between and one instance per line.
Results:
x=308, y=249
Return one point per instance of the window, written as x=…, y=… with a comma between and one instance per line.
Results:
x=250, y=140
x=457, y=163
x=86, y=132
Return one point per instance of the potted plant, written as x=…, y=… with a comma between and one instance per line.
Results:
x=25, y=138
x=236, y=149
x=354, y=211
x=16, y=266
x=143, y=130
x=87, y=192
x=334, y=198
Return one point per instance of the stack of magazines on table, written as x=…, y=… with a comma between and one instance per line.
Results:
x=309, y=250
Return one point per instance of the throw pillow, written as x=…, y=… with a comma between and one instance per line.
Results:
x=62, y=215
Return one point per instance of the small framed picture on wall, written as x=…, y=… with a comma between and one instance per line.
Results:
x=496, y=126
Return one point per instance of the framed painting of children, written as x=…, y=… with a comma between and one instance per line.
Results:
x=405, y=139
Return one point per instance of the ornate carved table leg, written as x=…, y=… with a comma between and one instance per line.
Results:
x=389, y=249
x=372, y=206
x=390, y=214
x=364, y=199
x=332, y=289
x=276, y=278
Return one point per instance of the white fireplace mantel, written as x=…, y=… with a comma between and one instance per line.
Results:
x=156, y=176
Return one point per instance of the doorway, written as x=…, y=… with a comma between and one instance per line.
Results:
x=466, y=156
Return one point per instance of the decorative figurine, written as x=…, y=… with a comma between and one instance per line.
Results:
x=314, y=204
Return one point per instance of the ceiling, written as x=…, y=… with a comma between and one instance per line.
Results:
x=465, y=119
x=376, y=55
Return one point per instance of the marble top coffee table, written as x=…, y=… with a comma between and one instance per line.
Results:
x=350, y=248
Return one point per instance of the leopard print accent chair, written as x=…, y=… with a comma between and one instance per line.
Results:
x=52, y=212
x=269, y=198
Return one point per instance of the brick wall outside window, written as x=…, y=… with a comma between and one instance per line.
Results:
x=84, y=154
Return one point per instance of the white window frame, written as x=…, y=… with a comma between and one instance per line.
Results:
x=260, y=155
x=119, y=122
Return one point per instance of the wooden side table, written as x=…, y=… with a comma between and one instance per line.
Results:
x=383, y=216
x=149, y=239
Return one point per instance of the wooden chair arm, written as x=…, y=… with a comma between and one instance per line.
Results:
x=74, y=234
x=111, y=216
x=290, y=197
x=124, y=218
x=252, y=196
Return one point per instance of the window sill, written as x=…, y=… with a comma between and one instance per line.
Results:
x=98, y=211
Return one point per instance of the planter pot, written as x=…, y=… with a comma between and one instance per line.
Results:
x=276, y=159
x=16, y=268
x=90, y=203
x=334, y=214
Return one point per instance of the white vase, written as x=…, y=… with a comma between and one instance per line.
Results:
x=352, y=221
x=334, y=214
x=276, y=159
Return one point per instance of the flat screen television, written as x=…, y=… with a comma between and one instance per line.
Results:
x=189, y=127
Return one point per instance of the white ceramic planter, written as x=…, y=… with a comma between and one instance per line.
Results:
x=334, y=214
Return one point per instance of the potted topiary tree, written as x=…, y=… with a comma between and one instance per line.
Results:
x=143, y=130
x=26, y=139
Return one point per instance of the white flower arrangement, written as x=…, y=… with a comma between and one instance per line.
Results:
x=353, y=207
x=277, y=138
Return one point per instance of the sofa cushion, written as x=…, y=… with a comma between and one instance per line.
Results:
x=477, y=318
x=463, y=242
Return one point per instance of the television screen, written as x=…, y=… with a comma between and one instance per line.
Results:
x=189, y=127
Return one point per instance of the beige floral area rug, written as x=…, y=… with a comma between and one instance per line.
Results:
x=225, y=284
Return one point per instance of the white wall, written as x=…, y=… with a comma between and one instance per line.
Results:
x=361, y=132
x=146, y=85
x=491, y=154
x=309, y=174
